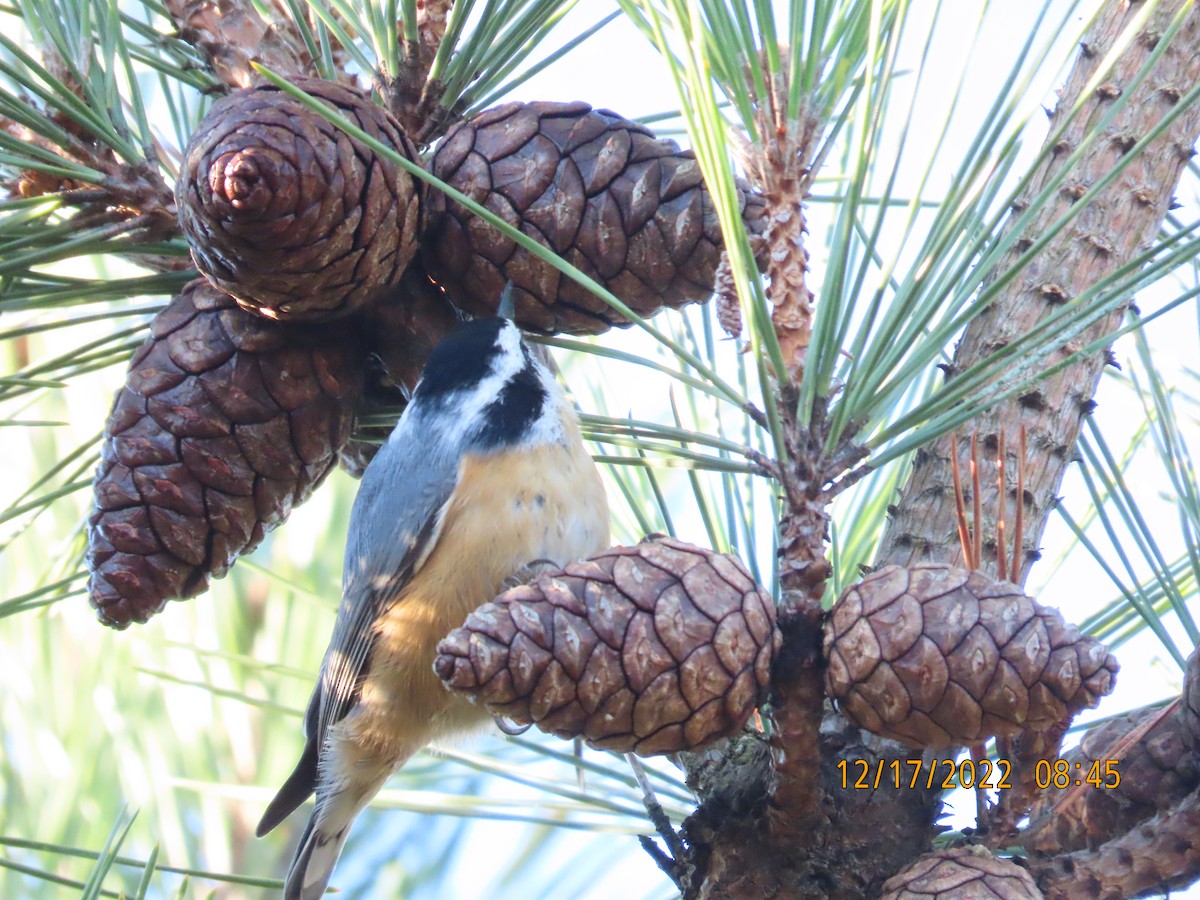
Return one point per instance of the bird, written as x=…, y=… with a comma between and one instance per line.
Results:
x=484, y=475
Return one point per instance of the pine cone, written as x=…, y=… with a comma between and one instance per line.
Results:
x=936, y=656
x=625, y=208
x=1189, y=704
x=291, y=216
x=225, y=422
x=655, y=648
x=962, y=873
x=1155, y=773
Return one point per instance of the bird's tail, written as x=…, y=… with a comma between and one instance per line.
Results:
x=325, y=835
x=320, y=847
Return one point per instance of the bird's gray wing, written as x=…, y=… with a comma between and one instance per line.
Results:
x=394, y=523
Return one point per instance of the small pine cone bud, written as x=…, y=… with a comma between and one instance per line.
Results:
x=1189, y=704
x=225, y=422
x=1139, y=780
x=627, y=209
x=964, y=873
x=936, y=656
x=292, y=217
x=655, y=648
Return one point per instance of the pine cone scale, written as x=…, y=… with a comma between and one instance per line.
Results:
x=734, y=643
x=958, y=712
x=703, y=676
x=139, y=445
x=168, y=487
x=155, y=372
x=600, y=679
x=640, y=584
x=924, y=672
x=644, y=657
x=636, y=192
x=522, y=180
x=602, y=160
x=495, y=143
x=554, y=691
x=574, y=643
x=118, y=490
x=218, y=464
x=568, y=126
x=680, y=625
x=198, y=345
x=129, y=532
x=556, y=213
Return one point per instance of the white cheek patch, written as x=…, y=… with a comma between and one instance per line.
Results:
x=458, y=415
x=463, y=418
x=549, y=427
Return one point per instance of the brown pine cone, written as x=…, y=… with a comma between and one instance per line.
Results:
x=936, y=656
x=1155, y=773
x=962, y=873
x=625, y=208
x=1189, y=703
x=226, y=421
x=650, y=649
x=292, y=217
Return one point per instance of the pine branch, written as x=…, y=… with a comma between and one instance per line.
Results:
x=1150, y=80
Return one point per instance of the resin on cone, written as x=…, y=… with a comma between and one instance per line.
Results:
x=654, y=648
x=291, y=216
x=226, y=421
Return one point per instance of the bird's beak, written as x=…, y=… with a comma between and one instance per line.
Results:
x=508, y=302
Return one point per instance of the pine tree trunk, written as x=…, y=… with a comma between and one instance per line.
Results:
x=1113, y=227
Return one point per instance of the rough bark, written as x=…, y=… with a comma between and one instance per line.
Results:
x=1104, y=236
x=1157, y=856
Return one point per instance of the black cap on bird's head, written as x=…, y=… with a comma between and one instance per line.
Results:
x=474, y=350
x=463, y=359
x=484, y=368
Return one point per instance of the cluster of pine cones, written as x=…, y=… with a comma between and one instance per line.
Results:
x=329, y=272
